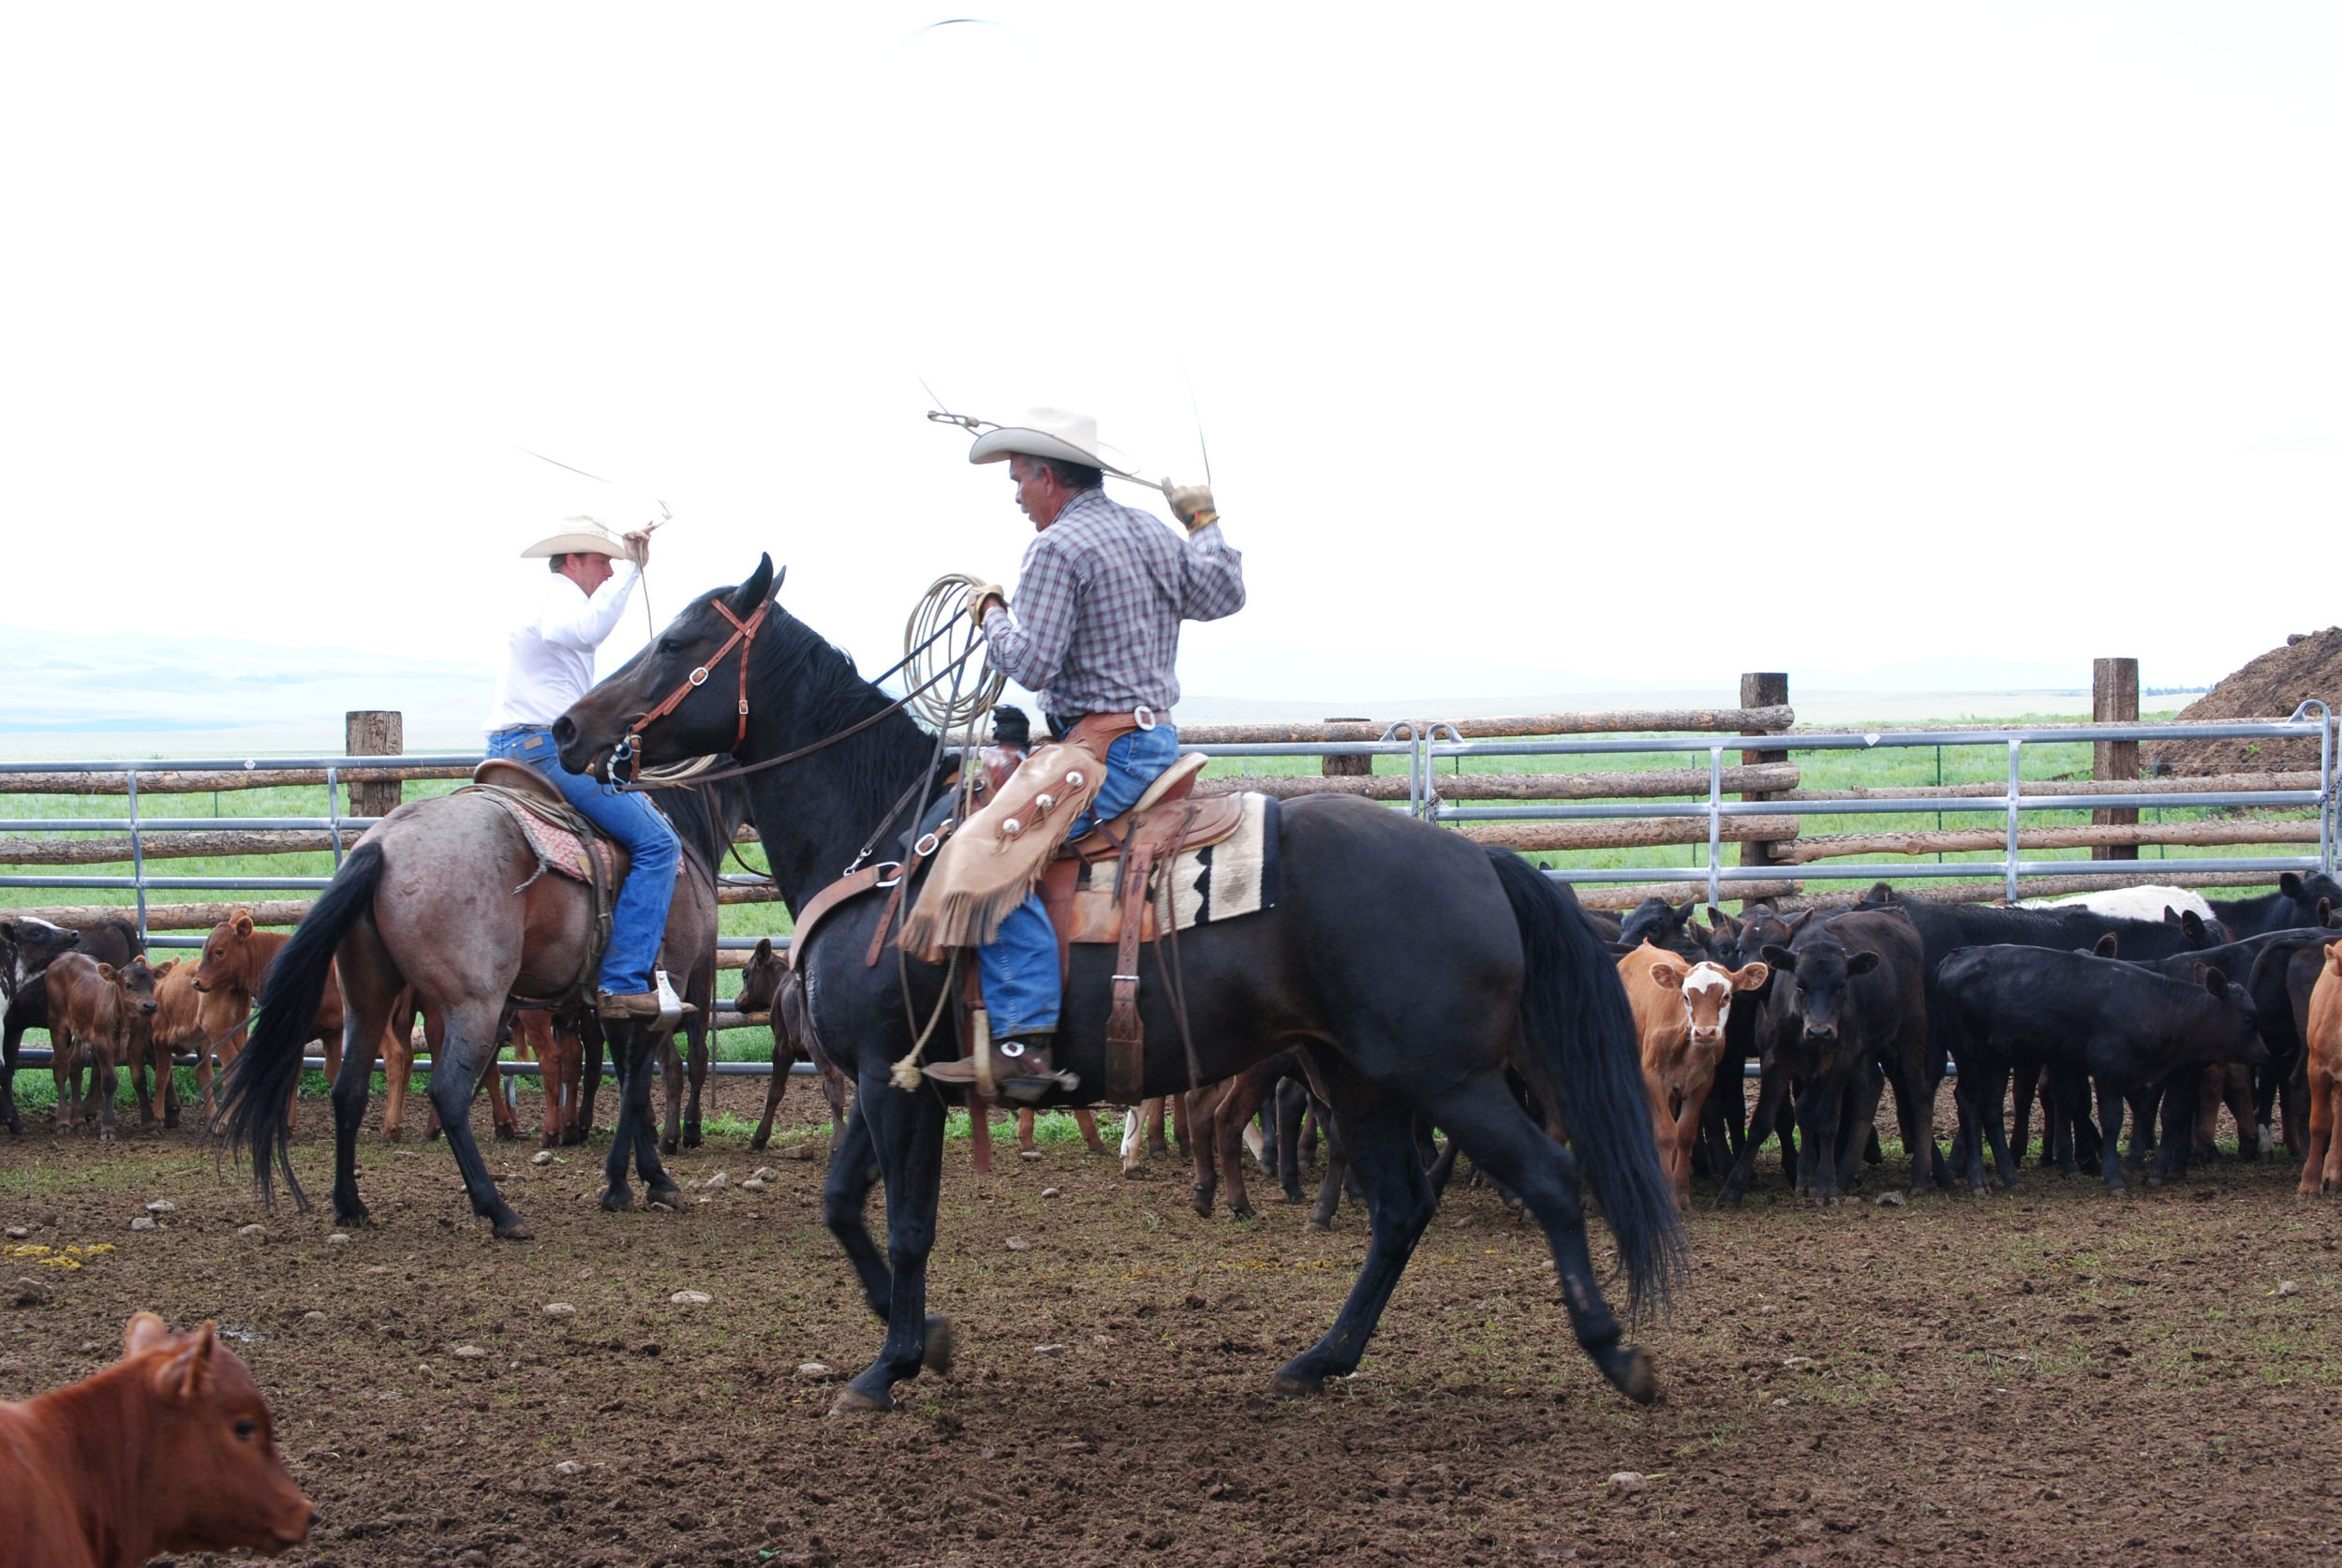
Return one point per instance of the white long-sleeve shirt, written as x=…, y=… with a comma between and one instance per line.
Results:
x=549, y=659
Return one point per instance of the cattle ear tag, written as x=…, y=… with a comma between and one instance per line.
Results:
x=145, y=1332
x=188, y=1375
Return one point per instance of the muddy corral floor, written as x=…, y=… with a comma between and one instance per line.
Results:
x=2045, y=1377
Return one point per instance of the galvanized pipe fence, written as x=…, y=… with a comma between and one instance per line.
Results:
x=1422, y=746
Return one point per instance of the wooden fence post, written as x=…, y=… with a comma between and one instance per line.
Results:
x=1763, y=689
x=2114, y=700
x=1345, y=768
x=371, y=734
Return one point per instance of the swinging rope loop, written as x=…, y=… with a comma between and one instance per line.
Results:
x=927, y=655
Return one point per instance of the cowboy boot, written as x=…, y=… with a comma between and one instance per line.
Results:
x=1021, y=1070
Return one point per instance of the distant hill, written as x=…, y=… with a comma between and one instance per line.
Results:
x=67, y=684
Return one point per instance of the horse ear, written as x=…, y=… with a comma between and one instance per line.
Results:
x=755, y=591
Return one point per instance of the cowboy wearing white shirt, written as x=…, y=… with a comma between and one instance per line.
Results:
x=548, y=665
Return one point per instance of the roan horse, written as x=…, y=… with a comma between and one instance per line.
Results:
x=1412, y=965
x=444, y=894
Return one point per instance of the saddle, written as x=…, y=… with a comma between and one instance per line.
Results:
x=1102, y=888
x=564, y=841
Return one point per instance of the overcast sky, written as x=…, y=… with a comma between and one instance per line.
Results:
x=1652, y=342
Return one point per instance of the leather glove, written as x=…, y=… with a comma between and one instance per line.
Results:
x=982, y=594
x=1192, y=505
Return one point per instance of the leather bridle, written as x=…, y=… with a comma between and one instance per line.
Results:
x=744, y=638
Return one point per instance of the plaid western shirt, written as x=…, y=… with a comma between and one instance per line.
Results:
x=1098, y=602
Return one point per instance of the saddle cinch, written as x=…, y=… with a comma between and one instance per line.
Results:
x=566, y=843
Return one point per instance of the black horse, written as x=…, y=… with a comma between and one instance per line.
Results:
x=1411, y=966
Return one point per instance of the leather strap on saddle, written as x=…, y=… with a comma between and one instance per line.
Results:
x=1126, y=1036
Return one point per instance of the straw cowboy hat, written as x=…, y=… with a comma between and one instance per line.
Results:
x=580, y=536
x=1052, y=433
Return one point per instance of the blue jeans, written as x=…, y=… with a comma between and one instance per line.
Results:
x=1021, y=988
x=639, y=923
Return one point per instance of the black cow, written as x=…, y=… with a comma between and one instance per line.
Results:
x=2125, y=1026
x=2294, y=904
x=1665, y=925
x=31, y=946
x=2263, y=960
x=1723, y=1123
x=1854, y=1002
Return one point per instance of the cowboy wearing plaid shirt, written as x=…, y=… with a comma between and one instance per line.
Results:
x=1095, y=630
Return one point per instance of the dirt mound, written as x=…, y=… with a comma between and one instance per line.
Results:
x=2270, y=687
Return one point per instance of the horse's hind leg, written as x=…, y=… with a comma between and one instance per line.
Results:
x=1381, y=1145
x=472, y=1028
x=1500, y=1138
x=370, y=988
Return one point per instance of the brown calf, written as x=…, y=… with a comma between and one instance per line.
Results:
x=170, y=1449
x=91, y=1007
x=234, y=968
x=768, y=985
x=1681, y=1010
x=2321, y=1057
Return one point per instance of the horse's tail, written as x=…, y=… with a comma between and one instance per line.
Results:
x=259, y=1084
x=1574, y=1015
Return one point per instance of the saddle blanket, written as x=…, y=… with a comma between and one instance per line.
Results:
x=1238, y=876
x=556, y=847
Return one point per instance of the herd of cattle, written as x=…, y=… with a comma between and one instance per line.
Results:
x=2166, y=1018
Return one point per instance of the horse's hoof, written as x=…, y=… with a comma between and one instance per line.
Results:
x=1286, y=1383
x=943, y=1346
x=666, y=1146
x=1323, y=1227
x=1634, y=1375
x=764, y=1135
x=506, y=1135
x=618, y=1200
x=512, y=1230
x=665, y=1194
x=1243, y=1211
x=853, y=1401
x=1203, y=1204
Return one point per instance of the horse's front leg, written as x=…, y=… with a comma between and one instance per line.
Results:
x=845, y=1196
x=697, y=1028
x=671, y=1075
x=631, y=1048
x=906, y=1131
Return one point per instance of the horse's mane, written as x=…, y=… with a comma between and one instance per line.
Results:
x=826, y=696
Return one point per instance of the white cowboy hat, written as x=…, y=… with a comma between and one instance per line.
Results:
x=1052, y=433
x=580, y=536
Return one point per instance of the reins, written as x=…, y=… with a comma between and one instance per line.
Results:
x=630, y=747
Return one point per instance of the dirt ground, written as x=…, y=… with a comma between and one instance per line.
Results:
x=2053, y=1376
